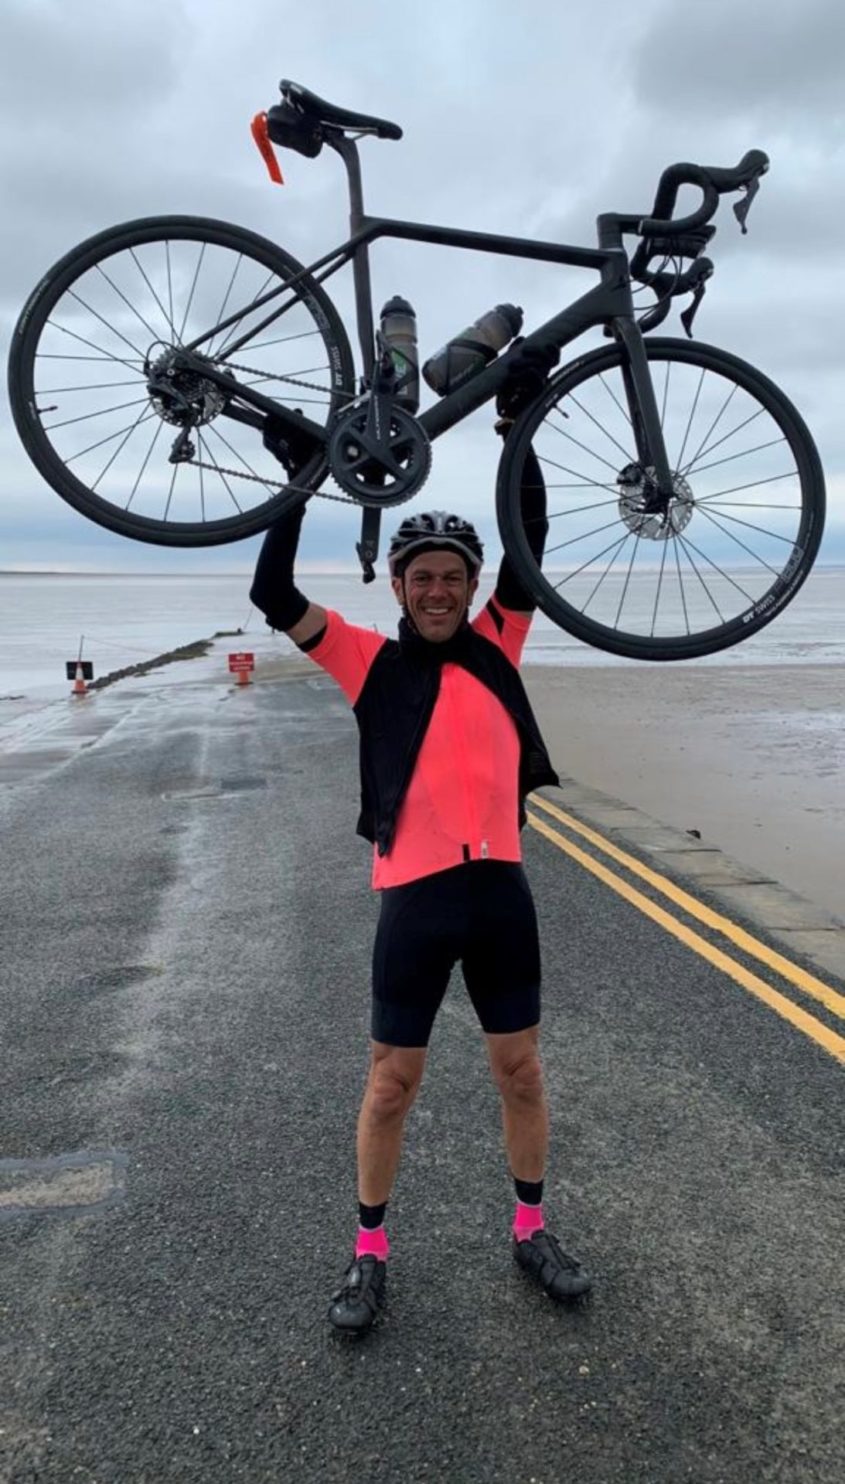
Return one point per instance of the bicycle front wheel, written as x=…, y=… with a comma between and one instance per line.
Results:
x=109, y=319
x=742, y=530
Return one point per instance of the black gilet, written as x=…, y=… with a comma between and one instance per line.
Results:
x=395, y=707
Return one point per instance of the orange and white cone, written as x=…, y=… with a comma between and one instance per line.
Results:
x=79, y=686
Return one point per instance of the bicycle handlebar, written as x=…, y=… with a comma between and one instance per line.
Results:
x=713, y=182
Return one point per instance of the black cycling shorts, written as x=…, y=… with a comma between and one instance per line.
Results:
x=481, y=912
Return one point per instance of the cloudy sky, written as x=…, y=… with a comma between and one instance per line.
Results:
x=526, y=119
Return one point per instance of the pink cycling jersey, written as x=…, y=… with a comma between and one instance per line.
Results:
x=462, y=802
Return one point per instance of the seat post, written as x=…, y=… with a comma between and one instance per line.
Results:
x=348, y=151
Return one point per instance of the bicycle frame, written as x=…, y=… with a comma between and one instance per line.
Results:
x=610, y=304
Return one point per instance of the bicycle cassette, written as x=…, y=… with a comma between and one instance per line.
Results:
x=373, y=477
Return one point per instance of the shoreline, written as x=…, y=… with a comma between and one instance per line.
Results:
x=753, y=758
x=750, y=756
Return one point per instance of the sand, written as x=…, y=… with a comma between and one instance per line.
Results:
x=752, y=757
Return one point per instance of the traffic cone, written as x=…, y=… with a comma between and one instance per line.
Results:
x=79, y=686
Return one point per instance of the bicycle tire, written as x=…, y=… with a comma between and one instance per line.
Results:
x=87, y=257
x=765, y=606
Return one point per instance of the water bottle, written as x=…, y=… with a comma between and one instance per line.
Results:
x=472, y=350
x=399, y=328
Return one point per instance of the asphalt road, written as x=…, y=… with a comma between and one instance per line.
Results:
x=187, y=923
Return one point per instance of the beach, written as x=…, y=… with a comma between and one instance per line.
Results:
x=753, y=758
x=745, y=746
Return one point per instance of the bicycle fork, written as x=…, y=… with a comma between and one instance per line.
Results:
x=645, y=421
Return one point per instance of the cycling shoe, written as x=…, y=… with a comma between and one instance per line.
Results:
x=562, y=1276
x=354, y=1307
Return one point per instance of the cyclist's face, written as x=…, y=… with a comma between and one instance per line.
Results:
x=437, y=592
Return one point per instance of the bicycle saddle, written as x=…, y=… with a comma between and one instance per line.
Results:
x=327, y=113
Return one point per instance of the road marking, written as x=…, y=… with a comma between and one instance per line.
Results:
x=802, y=980
x=821, y=1034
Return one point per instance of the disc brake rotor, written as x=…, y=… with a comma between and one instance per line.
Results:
x=637, y=486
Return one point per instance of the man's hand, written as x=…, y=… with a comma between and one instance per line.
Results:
x=527, y=378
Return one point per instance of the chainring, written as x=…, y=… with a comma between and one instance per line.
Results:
x=362, y=474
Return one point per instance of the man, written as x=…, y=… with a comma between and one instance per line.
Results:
x=449, y=749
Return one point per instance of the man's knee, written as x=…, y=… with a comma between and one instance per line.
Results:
x=395, y=1076
x=516, y=1065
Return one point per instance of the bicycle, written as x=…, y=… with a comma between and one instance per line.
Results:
x=635, y=439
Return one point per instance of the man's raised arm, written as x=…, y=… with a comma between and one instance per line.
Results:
x=273, y=590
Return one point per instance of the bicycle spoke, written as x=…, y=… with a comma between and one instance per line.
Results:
x=141, y=418
x=665, y=394
x=241, y=315
x=617, y=403
x=710, y=448
x=748, y=526
x=102, y=441
x=222, y=310
x=121, y=360
x=615, y=547
x=49, y=356
x=270, y=490
x=156, y=436
x=707, y=591
x=104, y=321
x=715, y=423
x=687, y=542
x=596, y=531
x=627, y=580
x=168, y=317
x=121, y=295
x=659, y=587
x=86, y=416
x=583, y=446
x=222, y=476
x=176, y=469
x=586, y=483
x=193, y=291
x=95, y=386
x=170, y=291
x=691, y=416
x=624, y=452
x=283, y=340
x=746, y=452
x=675, y=545
x=755, y=484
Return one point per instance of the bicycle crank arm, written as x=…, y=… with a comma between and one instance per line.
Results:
x=367, y=547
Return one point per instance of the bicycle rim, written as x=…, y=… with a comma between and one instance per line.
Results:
x=119, y=304
x=742, y=530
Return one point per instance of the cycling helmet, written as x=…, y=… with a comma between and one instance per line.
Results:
x=431, y=531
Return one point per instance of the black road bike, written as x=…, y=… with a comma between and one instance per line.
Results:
x=167, y=372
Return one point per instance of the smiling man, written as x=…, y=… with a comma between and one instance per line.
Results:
x=449, y=750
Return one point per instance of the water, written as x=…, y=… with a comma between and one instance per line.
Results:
x=125, y=619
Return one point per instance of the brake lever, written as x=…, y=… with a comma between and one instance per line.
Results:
x=702, y=270
x=742, y=208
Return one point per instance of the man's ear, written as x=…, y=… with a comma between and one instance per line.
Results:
x=396, y=584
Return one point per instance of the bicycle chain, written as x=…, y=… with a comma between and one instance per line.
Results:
x=257, y=478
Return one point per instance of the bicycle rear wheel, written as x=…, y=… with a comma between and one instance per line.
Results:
x=742, y=530
x=119, y=305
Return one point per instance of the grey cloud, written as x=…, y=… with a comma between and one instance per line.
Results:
x=754, y=59
x=526, y=121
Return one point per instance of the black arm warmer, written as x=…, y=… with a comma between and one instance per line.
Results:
x=273, y=591
x=509, y=590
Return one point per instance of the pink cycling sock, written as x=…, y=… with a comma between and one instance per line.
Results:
x=528, y=1219
x=372, y=1242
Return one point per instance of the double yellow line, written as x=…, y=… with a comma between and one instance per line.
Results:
x=807, y=983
